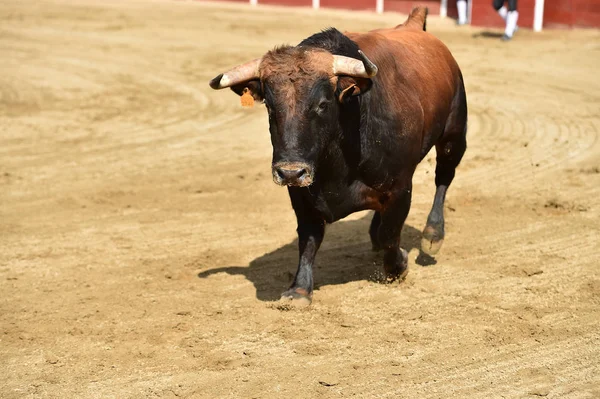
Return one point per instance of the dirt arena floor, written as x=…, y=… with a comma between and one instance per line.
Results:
x=143, y=245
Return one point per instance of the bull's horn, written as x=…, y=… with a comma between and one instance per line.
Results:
x=353, y=67
x=239, y=74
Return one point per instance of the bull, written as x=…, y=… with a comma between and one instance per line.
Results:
x=351, y=115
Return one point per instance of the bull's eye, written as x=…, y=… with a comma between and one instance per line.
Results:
x=323, y=105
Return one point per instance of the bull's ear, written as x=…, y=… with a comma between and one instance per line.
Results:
x=348, y=87
x=253, y=87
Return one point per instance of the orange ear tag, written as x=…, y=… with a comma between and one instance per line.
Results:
x=247, y=99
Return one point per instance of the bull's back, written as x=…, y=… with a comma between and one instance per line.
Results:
x=414, y=66
x=413, y=58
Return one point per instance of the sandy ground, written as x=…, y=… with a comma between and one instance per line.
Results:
x=143, y=244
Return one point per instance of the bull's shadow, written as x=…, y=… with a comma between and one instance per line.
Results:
x=345, y=256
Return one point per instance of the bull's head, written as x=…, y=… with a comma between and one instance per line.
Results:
x=303, y=89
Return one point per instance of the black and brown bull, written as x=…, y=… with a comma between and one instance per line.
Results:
x=350, y=116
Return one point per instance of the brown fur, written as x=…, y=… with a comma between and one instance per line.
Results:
x=412, y=63
x=292, y=70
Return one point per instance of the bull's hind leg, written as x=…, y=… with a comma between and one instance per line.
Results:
x=450, y=149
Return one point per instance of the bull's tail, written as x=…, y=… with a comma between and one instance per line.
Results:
x=417, y=19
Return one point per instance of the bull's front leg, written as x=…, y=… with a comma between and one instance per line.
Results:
x=311, y=230
x=395, y=259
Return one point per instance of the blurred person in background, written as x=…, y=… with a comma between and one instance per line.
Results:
x=461, y=6
x=510, y=16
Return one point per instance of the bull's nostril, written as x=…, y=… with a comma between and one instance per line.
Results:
x=300, y=173
x=281, y=173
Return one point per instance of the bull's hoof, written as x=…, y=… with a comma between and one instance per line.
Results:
x=390, y=278
x=399, y=271
x=296, y=297
x=431, y=247
x=432, y=241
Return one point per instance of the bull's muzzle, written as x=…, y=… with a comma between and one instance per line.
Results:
x=292, y=174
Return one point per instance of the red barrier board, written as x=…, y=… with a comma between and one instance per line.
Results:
x=557, y=13
x=572, y=13
x=349, y=4
x=451, y=9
